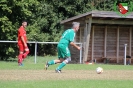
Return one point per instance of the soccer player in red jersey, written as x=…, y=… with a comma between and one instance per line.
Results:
x=22, y=43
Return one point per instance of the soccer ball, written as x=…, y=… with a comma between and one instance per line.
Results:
x=99, y=70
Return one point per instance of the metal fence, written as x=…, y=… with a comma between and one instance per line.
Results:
x=36, y=43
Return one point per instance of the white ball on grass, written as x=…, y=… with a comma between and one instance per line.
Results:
x=99, y=70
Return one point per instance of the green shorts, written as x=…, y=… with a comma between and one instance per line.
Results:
x=63, y=51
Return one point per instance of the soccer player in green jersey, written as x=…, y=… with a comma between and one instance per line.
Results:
x=64, y=55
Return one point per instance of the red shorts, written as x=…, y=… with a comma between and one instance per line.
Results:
x=21, y=47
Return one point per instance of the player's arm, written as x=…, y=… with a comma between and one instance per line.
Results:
x=73, y=44
x=25, y=44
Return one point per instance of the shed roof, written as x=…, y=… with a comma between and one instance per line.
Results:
x=100, y=14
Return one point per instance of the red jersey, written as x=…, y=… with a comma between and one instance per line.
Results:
x=21, y=32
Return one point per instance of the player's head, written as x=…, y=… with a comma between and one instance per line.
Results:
x=24, y=23
x=75, y=26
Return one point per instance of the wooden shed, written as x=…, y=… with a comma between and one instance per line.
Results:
x=103, y=34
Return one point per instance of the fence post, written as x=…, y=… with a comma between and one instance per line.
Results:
x=125, y=54
x=80, y=53
x=35, y=51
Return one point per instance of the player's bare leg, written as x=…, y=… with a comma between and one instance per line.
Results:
x=52, y=62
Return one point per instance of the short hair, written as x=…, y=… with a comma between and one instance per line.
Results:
x=24, y=21
x=74, y=24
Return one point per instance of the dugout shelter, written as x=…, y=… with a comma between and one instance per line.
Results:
x=103, y=35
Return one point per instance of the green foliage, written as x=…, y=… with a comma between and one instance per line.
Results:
x=43, y=18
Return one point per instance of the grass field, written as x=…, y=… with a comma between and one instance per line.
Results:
x=73, y=75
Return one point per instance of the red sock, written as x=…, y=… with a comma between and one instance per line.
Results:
x=20, y=58
x=25, y=54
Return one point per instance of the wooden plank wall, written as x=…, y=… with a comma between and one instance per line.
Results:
x=132, y=43
x=97, y=43
x=90, y=47
x=123, y=39
x=109, y=42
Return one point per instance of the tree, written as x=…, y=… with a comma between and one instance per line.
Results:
x=43, y=18
x=11, y=16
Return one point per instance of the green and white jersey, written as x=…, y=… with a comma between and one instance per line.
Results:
x=67, y=37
